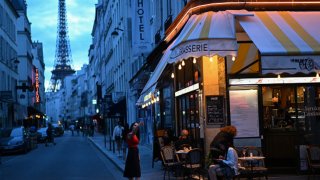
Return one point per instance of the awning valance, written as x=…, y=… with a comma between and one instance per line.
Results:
x=207, y=34
x=288, y=41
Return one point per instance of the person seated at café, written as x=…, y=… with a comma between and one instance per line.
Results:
x=226, y=165
x=219, y=144
x=183, y=140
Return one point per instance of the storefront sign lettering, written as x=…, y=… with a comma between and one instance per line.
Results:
x=290, y=64
x=312, y=111
x=147, y=97
x=305, y=63
x=192, y=48
x=140, y=13
x=37, y=87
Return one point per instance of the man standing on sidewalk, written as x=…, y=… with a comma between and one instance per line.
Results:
x=117, y=136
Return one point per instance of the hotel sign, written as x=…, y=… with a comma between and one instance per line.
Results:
x=141, y=27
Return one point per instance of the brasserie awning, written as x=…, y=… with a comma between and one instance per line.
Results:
x=289, y=42
x=206, y=34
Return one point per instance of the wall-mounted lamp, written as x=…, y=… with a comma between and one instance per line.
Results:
x=194, y=60
x=172, y=75
x=16, y=61
x=115, y=32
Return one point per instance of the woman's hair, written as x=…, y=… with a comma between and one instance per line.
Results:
x=137, y=132
x=232, y=130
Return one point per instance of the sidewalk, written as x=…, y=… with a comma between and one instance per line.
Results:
x=156, y=173
x=147, y=172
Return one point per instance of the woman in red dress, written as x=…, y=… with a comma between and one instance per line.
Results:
x=132, y=168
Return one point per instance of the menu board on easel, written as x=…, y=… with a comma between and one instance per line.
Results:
x=215, y=110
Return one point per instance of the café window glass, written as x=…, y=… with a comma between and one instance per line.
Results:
x=187, y=74
x=293, y=107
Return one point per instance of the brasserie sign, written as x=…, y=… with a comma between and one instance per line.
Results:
x=190, y=48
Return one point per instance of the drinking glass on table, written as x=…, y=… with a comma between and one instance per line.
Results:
x=244, y=152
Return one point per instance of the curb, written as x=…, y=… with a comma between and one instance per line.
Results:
x=106, y=154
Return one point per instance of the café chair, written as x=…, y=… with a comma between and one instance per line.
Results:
x=313, y=157
x=193, y=163
x=170, y=160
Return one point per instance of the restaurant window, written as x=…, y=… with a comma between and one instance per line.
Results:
x=188, y=74
x=295, y=108
x=167, y=108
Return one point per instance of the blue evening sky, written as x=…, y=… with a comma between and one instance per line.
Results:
x=43, y=17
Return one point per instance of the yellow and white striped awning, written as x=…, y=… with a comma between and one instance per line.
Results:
x=207, y=34
x=288, y=41
x=247, y=60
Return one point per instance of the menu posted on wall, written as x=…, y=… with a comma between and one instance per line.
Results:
x=215, y=110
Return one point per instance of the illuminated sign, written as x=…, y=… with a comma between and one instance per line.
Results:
x=187, y=90
x=147, y=97
x=37, y=86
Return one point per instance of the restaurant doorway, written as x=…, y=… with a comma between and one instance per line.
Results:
x=188, y=115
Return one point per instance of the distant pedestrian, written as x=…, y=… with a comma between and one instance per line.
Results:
x=72, y=129
x=84, y=130
x=50, y=136
x=132, y=168
x=117, y=136
x=91, y=129
x=78, y=129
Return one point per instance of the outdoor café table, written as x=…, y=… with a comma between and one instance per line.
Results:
x=182, y=154
x=250, y=160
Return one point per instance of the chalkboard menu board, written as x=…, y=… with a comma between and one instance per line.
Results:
x=215, y=110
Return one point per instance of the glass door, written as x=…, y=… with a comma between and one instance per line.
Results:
x=188, y=115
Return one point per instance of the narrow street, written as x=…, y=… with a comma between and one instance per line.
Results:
x=74, y=157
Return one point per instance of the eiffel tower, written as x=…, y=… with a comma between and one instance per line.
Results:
x=63, y=60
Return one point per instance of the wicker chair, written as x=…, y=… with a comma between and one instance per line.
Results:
x=313, y=156
x=170, y=160
x=193, y=163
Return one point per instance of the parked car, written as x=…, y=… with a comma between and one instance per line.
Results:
x=15, y=140
x=42, y=134
x=58, y=129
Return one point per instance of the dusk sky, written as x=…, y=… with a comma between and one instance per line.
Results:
x=43, y=17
